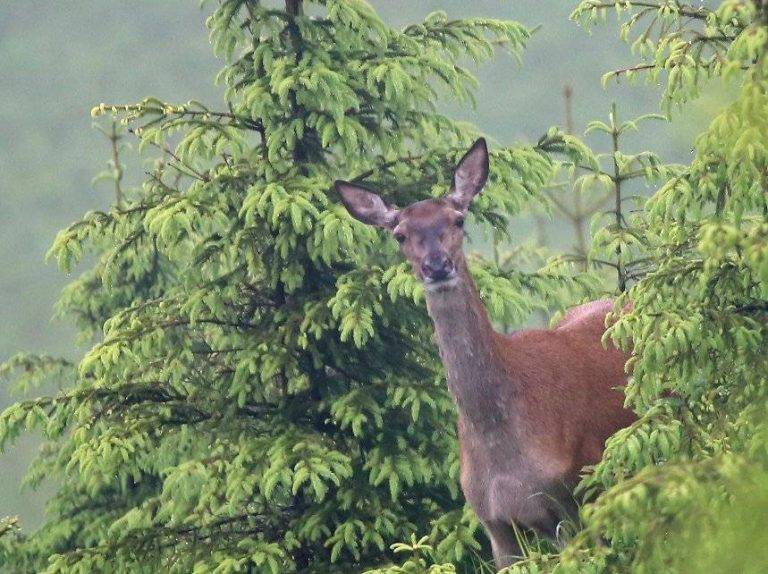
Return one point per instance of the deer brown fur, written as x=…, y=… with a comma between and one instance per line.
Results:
x=535, y=406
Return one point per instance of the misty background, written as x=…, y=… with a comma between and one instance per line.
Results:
x=58, y=59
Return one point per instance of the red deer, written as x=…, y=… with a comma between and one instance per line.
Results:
x=535, y=406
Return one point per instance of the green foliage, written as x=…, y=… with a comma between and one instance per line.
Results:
x=262, y=393
x=602, y=188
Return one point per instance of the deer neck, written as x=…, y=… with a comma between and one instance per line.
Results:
x=467, y=342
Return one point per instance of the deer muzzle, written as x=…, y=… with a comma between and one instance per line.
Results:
x=437, y=268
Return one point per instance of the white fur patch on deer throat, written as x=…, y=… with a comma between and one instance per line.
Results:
x=438, y=286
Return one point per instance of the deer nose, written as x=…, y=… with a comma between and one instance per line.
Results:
x=437, y=267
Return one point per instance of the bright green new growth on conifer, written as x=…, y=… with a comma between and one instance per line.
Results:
x=262, y=394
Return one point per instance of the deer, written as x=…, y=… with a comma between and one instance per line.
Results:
x=535, y=406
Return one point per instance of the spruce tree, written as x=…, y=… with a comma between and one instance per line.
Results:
x=262, y=394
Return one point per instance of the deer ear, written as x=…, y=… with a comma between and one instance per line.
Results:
x=366, y=205
x=470, y=175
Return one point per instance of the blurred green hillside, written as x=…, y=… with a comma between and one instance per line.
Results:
x=58, y=59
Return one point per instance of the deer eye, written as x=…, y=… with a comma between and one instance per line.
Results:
x=459, y=222
x=399, y=237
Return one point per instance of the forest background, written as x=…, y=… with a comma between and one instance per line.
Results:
x=60, y=59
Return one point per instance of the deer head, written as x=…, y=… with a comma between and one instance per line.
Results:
x=430, y=232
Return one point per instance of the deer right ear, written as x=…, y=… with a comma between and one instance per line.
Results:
x=365, y=205
x=470, y=175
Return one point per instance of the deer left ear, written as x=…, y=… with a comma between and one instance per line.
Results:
x=365, y=205
x=470, y=175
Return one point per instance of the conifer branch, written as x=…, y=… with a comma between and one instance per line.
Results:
x=179, y=165
x=617, y=183
x=698, y=13
x=114, y=139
